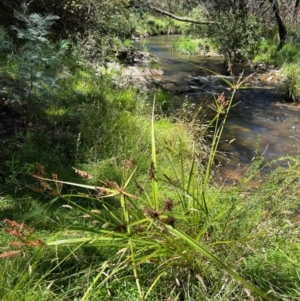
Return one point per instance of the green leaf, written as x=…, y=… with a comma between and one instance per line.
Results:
x=202, y=250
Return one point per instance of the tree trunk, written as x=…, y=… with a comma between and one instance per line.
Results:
x=281, y=27
x=295, y=12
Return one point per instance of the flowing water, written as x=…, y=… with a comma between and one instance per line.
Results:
x=259, y=120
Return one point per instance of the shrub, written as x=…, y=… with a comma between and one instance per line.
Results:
x=235, y=33
x=291, y=84
x=36, y=67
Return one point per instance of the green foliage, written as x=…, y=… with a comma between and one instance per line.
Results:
x=190, y=45
x=198, y=13
x=289, y=53
x=235, y=34
x=37, y=27
x=154, y=65
x=236, y=30
x=38, y=65
x=145, y=25
x=291, y=83
x=86, y=17
x=163, y=102
x=5, y=43
x=268, y=52
x=127, y=43
x=266, y=49
x=96, y=23
x=124, y=225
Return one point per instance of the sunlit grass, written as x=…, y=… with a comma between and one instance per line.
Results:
x=56, y=111
x=268, y=52
x=191, y=45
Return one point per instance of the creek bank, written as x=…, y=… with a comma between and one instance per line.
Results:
x=180, y=78
x=136, y=68
x=214, y=84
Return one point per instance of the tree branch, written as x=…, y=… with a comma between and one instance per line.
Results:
x=180, y=18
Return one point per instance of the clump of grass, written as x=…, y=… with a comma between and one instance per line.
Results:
x=268, y=52
x=189, y=45
x=127, y=43
x=291, y=83
x=186, y=45
x=154, y=65
x=265, y=52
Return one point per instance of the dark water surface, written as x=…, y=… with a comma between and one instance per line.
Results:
x=258, y=118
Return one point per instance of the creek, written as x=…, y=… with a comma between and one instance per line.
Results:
x=258, y=121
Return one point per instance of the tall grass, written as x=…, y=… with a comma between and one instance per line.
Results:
x=291, y=83
x=190, y=45
x=268, y=52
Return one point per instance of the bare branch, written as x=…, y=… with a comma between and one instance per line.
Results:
x=180, y=18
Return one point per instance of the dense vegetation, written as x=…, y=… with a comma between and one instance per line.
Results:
x=106, y=192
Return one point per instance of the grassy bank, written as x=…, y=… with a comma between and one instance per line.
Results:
x=191, y=45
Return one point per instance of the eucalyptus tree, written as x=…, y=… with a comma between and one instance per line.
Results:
x=281, y=27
